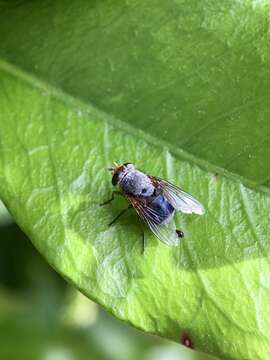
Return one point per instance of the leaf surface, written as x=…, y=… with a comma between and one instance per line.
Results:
x=193, y=74
x=145, y=100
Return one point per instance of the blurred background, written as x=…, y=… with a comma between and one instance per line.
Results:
x=42, y=317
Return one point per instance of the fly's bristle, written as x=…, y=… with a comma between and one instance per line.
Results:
x=114, y=168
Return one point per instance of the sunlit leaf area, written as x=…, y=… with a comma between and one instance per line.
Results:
x=44, y=318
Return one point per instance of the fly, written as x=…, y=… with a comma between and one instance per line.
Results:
x=155, y=200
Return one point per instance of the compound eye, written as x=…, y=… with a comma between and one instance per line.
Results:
x=115, y=179
x=126, y=164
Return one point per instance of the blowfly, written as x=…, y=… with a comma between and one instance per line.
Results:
x=155, y=200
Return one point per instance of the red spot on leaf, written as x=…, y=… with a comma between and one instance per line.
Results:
x=186, y=341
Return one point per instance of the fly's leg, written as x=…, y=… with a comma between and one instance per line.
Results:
x=120, y=214
x=143, y=241
x=112, y=198
x=180, y=233
x=143, y=237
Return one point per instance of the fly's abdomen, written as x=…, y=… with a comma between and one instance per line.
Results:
x=161, y=210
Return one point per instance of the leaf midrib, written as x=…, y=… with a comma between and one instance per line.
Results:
x=70, y=100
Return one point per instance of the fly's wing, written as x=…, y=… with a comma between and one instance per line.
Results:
x=164, y=232
x=178, y=198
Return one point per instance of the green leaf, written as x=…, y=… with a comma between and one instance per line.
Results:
x=147, y=80
x=194, y=74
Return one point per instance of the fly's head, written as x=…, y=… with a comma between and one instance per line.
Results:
x=119, y=171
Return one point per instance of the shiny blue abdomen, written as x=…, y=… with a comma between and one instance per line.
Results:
x=162, y=209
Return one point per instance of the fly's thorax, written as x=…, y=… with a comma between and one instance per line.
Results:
x=136, y=183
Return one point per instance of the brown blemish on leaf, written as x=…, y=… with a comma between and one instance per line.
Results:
x=186, y=341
